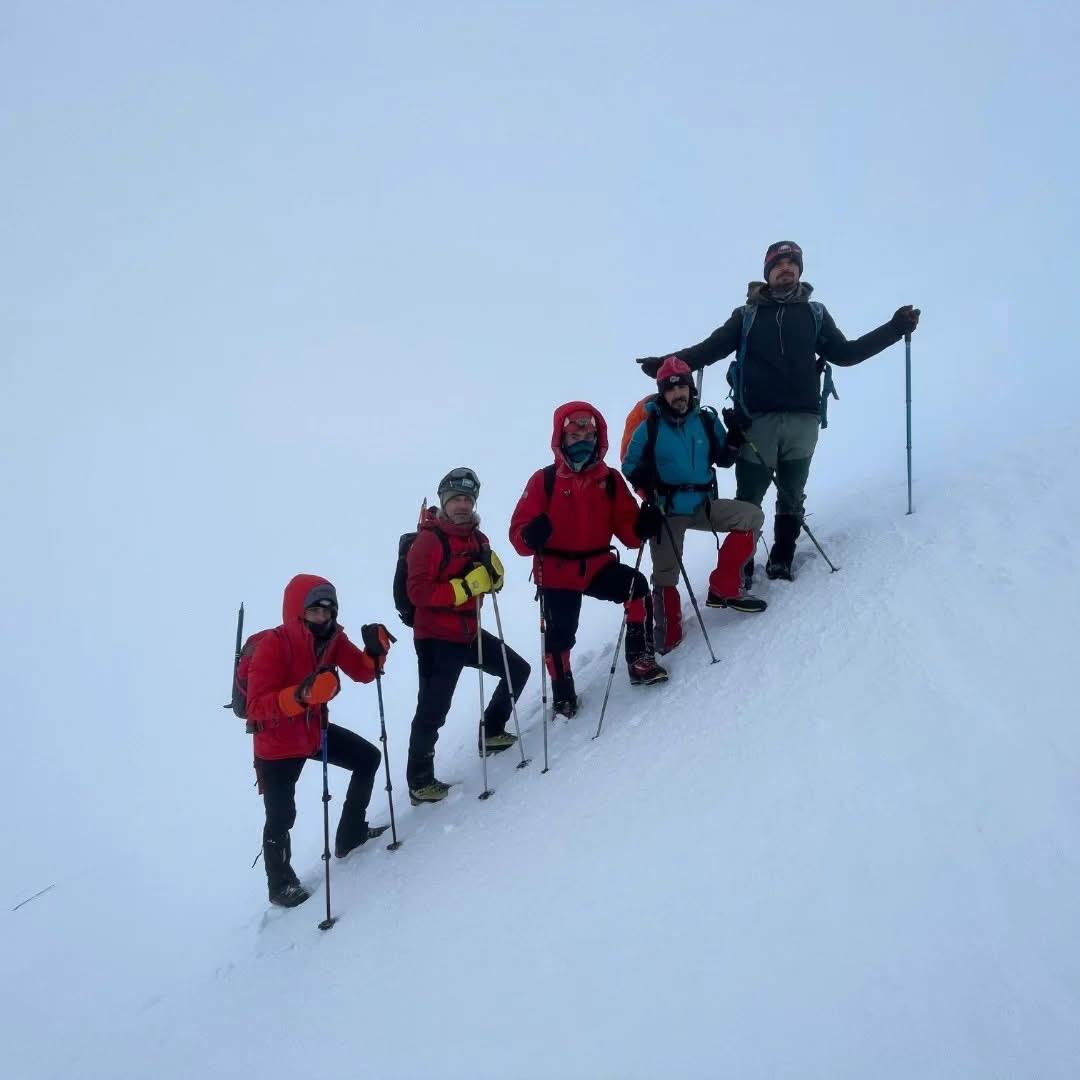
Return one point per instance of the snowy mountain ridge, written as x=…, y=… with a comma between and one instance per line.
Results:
x=847, y=849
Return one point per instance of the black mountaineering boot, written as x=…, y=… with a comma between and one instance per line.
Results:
x=786, y=529
x=640, y=659
x=282, y=883
x=563, y=696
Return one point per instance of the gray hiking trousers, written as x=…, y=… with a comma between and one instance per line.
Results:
x=785, y=442
x=713, y=515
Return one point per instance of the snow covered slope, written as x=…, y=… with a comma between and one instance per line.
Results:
x=848, y=849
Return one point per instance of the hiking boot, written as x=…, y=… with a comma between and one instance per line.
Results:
x=778, y=570
x=744, y=602
x=282, y=884
x=291, y=894
x=786, y=529
x=350, y=840
x=497, y=743
x=645, y=670
x=564, y=697
x=436, y=791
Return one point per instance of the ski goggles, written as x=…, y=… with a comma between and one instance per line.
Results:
x=460, y=482
x=580, y=422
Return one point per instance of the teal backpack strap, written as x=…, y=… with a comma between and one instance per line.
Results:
x=828, y=387
x=735, y=368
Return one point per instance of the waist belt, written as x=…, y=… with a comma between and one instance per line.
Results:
x=561, y=553
x=580, y=556
x=671, y=489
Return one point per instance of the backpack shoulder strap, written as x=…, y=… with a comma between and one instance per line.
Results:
x=549, y=480
x=817, y=308
x=445, y=541
x=828, y=387
x=709, y=420
x=735, y=368
x=652, y=429
x=748, y=313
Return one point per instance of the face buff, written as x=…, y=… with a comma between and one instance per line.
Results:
x=579, y=454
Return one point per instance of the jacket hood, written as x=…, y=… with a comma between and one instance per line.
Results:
x=296, y=594
x=756, y=294
x=561, y=413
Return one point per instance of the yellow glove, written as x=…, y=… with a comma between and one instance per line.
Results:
x=474, y=583
x=497, y=566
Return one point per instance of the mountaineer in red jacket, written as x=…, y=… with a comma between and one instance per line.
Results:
x=566, y=520
x=450, y=567
x=292, y=677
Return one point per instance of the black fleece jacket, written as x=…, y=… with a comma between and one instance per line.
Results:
x=781, y=371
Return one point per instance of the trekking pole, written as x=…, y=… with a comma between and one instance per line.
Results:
x=509, y=684
x=386, y=762
x=328, y=921
x=686, y=582
x=700, y=381
x=806, y=528
x=619, y=641
x=907, y=364
x=487, y=792
x=543, y=656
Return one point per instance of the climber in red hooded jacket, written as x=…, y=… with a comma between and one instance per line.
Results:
x=450, y=568
x=566, y=520
x=291, y=679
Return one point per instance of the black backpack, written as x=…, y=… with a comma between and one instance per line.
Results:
x=406, y=609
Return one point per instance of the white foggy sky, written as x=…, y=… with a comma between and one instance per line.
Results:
x=267, y=270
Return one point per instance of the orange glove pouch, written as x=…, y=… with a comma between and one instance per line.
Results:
x=287, y=702
x=324, y=686
x=294, y=700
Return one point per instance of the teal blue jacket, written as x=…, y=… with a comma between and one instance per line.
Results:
x=683, y=456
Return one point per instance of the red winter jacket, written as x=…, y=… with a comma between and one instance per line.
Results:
x=583, y=514
x=429, y=578
x=286, y=657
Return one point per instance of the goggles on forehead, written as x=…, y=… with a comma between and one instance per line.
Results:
x=463, y=480
x=579, y=423
x=677, y=380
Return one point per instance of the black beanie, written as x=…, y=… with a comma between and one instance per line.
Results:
x=324, y=595
x=783, y=249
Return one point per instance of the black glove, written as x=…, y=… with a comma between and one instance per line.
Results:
x=645, y=478
x=538, y=532
x=906, y=319
x=650, y=522
x=734, y=437
x=650, y=365
x=377, y=639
